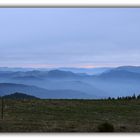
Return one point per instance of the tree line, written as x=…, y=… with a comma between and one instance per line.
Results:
x=133, y=97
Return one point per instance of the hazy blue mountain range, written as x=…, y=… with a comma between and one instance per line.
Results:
x=91, y=71
x=120, y=81
x=120, y=74
x=8, y=88
x=130, y=68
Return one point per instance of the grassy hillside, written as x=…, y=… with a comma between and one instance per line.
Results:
x=69, y=115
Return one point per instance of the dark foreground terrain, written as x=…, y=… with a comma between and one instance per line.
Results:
x=35, y=115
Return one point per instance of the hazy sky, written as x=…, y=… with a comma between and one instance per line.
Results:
x=69, y=37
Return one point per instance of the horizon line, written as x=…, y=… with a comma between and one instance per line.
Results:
x=28, y=67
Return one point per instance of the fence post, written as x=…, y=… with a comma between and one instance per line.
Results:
x=2, y=107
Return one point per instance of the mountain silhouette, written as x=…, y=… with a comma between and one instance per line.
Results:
x=19, y=96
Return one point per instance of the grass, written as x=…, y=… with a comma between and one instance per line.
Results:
x=69, y=115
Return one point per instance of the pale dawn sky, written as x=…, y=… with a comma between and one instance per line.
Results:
x=69, y=37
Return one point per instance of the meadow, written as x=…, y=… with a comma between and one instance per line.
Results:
x=60, y=115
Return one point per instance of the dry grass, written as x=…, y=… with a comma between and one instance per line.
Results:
x=69, y=115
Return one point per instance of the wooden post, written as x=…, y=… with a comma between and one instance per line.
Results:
x=2, y=107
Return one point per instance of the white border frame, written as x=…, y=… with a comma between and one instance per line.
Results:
x=76, y=4
x=69, y=3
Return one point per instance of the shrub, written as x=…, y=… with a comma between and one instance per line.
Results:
x=0, y=128
x=106, y=127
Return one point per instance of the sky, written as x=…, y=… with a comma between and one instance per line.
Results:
x=69, y=37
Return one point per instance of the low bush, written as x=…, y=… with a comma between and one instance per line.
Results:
x=106, y=127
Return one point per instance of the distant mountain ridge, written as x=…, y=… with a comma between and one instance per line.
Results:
x=90, y=71
x=40, y=75
x=120, y=74
x=61, y=74
x=63, y=83
x=19, y=96
x=8, y=88
x=135, y=69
